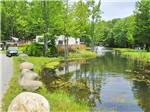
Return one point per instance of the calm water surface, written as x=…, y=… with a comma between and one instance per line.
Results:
x=108, y=82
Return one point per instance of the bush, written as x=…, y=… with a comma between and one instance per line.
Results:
x=34, y=49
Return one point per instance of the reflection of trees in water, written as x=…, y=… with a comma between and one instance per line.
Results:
x=83, y=86
x=142, y=93
x=54, y=81
x=66, y=67
x=93, y=80
x=97, y=67
x=86, y=85
x=110, y=63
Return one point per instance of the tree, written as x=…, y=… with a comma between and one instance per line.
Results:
x=109, y=38
x=44, y=5
x=142, y=18
x=130, y=21
x=10, y=17
x=95, y=17
x=119, y=32
x=99, y=32
x=66, y=32
x=22, y=20
x=46, y=19
x=81, y=16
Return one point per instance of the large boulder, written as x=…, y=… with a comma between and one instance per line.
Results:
x=30, y=85
x=26, y=65
x=29, y=102
x=27, y=74
x=27, y=80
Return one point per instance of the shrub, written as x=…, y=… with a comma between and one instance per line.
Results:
x=34, y=49
x=71, y=48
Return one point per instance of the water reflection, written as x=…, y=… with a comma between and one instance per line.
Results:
x=108, y=82
x=142, y=94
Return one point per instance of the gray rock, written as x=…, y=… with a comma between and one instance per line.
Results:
x=29, y=102
x=27, y=80
x=27, y=74
x=24, y=57
x=30, y=85
x=26, y=65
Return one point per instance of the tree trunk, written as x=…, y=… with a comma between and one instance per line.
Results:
x=66, y=47
x=45, y=44
x=147, y=47
x=92, y=32
x=45, y=16
x=65, y=32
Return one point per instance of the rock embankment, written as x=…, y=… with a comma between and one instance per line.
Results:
x=29, y=101
x=28, y=80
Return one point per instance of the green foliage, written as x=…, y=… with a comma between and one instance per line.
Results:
x=41, y=61
x=25, y=19
x=81, y=14
x=124, y=49
x=52, y=49
x=142, y=56
x=52, y=65
x=134, y=54
x=99, y=31
x=81, y=19
x=82, y=54
x=131, y=31
x=119, y=32
x=95, y=13
x=66, y=103
x=34, y=49
x=142, y=18
x=13, y=19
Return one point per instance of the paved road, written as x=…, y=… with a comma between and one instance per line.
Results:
x=6, y=71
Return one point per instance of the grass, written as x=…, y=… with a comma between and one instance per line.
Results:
x=14, y=89
x=62, y=101
x=59, y=100
x=134, y=54
x=124, y=49
x=82, y=54
x=41, y=61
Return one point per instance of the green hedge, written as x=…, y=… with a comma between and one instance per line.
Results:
x=34, y=49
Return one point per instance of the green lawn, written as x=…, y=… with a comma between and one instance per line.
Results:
x=134, y=54
x=59, y=100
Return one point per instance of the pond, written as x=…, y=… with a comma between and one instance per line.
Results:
x=108, y=82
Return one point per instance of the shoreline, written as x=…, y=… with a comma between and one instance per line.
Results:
x=134, y=54
x=38, y=63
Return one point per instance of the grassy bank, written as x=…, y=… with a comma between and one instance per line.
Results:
x=59, y=100
x=82, y=54
x=134, y=54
